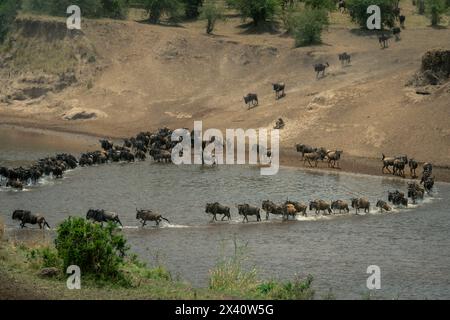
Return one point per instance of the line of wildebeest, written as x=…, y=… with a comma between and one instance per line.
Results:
x=286, y=210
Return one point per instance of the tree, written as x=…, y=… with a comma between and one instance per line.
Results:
x=259, y=11
x=358, y=11
x=212, y=12
x=98, y=251
x=8, y=13
x=192, y=8
x=434, y=9
x=307, y=26
x=157, y=8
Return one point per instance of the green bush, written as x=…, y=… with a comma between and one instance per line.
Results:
x=8, y=13
x=259, y=11
x=212, y=12
x=307, y=26
x=435, y=9
x=358, y=11
x=98, y=251
x=299, y=289
x=157, y=8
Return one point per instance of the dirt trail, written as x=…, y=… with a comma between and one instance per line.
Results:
x=153, y=76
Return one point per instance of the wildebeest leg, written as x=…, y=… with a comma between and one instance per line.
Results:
x=143, y=223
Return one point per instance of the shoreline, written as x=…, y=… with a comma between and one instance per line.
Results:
x=288, y=158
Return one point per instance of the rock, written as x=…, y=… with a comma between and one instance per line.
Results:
x=49, y=272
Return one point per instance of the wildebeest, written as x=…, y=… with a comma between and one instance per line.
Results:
x=399, y=167
x=383, y=40
x=383, y=206
x=27, y=217
x=247, y=210
x=320, y=205
x=320, y=67
x=340, y=205
x=396, y=32
x=415, y=191
x=389, y=162
x=299, y=207
x=361, y=203
x=344, y=58
x=313, y=156
x=279, y=89
x=303, y=148
x=397, y=198
x=251, y=100
x=402, y=20
x=103, y=216
x=279, y=124
x=149, y=215
x=15, y=184
x=342, y=6
x=412, y=167
x=216, y=208
x=270, y=207
x=289, y=210
x=428, y=184
x=106, y=145
x=333, y=158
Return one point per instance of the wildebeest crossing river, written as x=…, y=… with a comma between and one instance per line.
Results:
x=409, y=245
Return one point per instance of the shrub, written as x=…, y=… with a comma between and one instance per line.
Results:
x=44, y=258
x=8, y=13
x=435, y=9
x=259, y=11
x=98, y=251
x=157, y=8
x=358, y=11
x=299, y=289
x=307, y=26
x=212, y=12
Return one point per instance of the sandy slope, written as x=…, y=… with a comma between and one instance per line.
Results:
x=155, y=76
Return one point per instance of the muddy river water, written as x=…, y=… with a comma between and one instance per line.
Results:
x=411, y=246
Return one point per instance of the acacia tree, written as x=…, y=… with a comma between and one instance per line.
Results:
x=435, y=9
x=259, y=11
x=157, y=8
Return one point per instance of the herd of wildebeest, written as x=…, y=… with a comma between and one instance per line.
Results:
x=159, y=146
x=251, y=99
